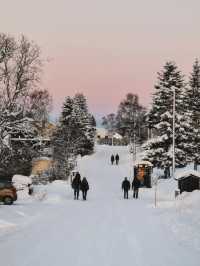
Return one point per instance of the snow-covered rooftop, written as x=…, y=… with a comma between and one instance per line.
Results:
x=187, y=173
x=117, y=136
x=143, y=162
x=102, y=132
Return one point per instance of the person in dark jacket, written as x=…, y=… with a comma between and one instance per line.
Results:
x=84, y=188
x=126, y=187
x=117, y=159
x=112, y=159
x=135, y=187
x=30, y=189
x=76, y=184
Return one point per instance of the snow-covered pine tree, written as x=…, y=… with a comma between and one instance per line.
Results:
x=63, y=141
x=159, y=149
x=192, y=101
x=85, y=125
x=74, y=134
x=94, y=123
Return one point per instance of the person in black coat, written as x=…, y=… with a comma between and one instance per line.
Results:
x=135, y=187
x=76, y=184
x=117, y=159
x=126, y=187
x=112, y=159
x=30, y=189
x=84, y=188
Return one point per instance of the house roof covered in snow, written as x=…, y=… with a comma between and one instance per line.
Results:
x=187, y=173
x=102, y=132
x=117, y=136
x=143, y=162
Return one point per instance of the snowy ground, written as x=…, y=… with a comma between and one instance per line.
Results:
x=51, y=229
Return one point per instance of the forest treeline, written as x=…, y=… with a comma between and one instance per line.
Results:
x=153, y=127
x=24, y=114
x=25, y=108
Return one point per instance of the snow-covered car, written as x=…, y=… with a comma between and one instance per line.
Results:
x=21, y=182
x=8, y=193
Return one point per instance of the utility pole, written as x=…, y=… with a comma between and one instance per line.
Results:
x=173, y=130
x=134, y=147
x=112, y=139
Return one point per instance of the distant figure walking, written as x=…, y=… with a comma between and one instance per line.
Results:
x=135, y=187
x=117, y=159
x=30, y=189
x=112, y=159
x=84, y=188
x=126, y=187
x=76, y=184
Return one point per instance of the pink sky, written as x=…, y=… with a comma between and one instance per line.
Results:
x=106, y=48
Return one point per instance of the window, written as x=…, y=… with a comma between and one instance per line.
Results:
x=1, y=185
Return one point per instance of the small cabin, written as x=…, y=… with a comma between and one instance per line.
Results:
x=143, y=171
x=188, y=181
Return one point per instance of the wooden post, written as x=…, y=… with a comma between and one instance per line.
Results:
x=155, y=192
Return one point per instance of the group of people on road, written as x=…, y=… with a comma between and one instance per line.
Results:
x=114, y=159
x=78, y=184
x=126, y=186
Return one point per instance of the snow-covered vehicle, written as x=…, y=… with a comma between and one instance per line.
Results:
x=23, y=183
x=143, y=171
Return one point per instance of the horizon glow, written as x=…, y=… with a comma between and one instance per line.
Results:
x=106, y=48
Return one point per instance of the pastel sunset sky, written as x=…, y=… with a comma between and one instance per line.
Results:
x=106, y=48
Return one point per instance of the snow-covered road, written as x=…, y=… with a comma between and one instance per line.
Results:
x=103, y=231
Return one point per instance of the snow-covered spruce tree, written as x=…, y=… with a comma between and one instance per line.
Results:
x=94, y=123
x=63, y=141
x=192, y=101
x=159, y=149
x=74, y=135
x=85, y=125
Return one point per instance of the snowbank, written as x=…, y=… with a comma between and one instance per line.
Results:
x=21, y=181
x=184, y=218
x=55, y=192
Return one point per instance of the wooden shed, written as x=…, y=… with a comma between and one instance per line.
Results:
x=188, y=181
x=143, y=171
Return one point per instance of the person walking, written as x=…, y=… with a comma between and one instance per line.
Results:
x=126, y=187
x=76, y=184
x=30, y=189
x=112, y=159
x=117, y=159
x=84, y=188
x=135, y=187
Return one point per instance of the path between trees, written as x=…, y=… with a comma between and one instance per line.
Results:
x=106, y=230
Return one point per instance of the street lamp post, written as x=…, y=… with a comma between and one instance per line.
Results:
x=173, y=131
